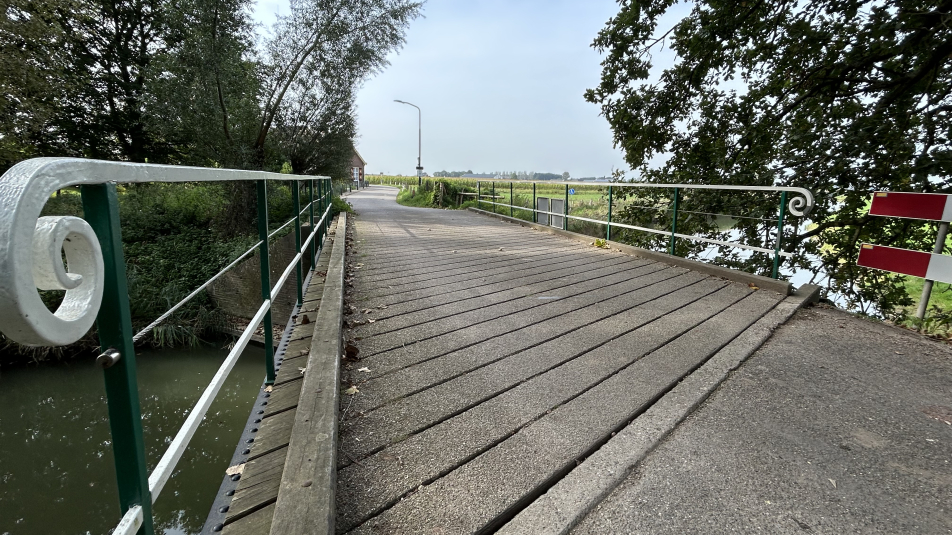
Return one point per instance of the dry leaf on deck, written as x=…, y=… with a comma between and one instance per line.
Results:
x=351, y=391
x=365, y=370
x=235, y=470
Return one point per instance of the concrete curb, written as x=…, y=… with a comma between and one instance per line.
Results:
x=781, y=287
x=308, y=492
x=571, y=499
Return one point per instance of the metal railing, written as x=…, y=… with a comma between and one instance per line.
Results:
x=31, y=252
x=800, y=204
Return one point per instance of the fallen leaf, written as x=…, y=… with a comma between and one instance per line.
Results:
x=834, y=483
x=752, y=286
x=351, y=391
x=383, y=307
x=305, y=320
x=351, y=351
x=371, y=321
x=368, y=310
x=235, y=470
x=365, y=370
x=302, y=370
x=269, y=388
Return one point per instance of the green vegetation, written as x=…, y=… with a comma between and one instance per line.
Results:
x=172, y=244
x=192, y=82
x=843, y=97
x=437, y=193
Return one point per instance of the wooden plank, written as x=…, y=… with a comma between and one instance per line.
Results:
x=283, y=397
x=307, y=495
x=301, y=332
x=273, y=434
x=296, y=347
x=258, y=485
x=256, y=523
x=290, y=370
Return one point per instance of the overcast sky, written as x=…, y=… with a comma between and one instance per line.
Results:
x=500, y=85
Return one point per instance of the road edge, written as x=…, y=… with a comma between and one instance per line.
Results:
x=307, y=496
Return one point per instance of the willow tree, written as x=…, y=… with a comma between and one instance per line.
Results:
x=843, y=97
x=321, y=48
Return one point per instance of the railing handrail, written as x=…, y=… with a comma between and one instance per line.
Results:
x=31, y=249
x=801, y=204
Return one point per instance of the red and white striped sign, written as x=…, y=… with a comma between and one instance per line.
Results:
x=931, y=206
x=930, y=266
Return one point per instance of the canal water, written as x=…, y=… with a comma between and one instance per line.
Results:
x=56, y=467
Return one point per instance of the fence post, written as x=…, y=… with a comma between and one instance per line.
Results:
x=943, y=230
x=492, y=195
x=775, y=273
x=263, y=254
x=565, y=210
x=535, y=206
x=674, y=222
x=479, y=195
x=296, y=199
x=310, y=191
x=511, y=199
x=114, y=324
x=608, y=231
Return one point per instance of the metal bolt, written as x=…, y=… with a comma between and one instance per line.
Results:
x=108, y=359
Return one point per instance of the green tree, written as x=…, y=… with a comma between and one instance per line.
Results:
x=843, y=97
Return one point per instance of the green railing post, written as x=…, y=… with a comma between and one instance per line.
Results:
x=511, y=201
x=674, y=223
x=535, y=205
x=264, y=255
x=479, y=195
x=296, y=199
x=565, y=210
x=114, y=324
x=328, y=197
x=775, y=273
x=608, y=231
x=322, y=195
x=310, y=191
x=492, y=195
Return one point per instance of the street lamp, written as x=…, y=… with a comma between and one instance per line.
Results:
x=419, y=166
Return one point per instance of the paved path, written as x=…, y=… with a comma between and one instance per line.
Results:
x=494, y=359
x=837, y=425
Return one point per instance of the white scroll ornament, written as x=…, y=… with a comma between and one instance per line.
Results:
x=31, y=258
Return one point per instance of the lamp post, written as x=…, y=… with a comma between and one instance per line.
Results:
x=419, y=166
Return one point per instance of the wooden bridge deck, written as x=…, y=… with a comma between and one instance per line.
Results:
x=493, y=359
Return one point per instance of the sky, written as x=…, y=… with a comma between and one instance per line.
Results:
x=500, y=84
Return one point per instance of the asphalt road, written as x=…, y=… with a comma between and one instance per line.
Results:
x=836, y=425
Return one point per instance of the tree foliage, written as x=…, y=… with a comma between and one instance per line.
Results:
x=190, y=81
x=843, y=97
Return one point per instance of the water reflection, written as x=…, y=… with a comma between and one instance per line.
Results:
x=56, y=467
